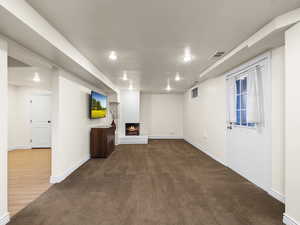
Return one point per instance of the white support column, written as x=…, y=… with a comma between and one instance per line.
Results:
x=4, y=215
x=292, y=126
x=55, y=128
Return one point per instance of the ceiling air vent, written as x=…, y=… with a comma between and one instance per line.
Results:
x=218, y=54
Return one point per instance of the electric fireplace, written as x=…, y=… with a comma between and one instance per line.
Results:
x=132, y=129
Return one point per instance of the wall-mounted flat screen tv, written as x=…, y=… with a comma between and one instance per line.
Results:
x=98, y=105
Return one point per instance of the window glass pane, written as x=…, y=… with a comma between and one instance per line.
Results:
x=238, y=87
x=238, y=117
x=243, y=101
x=243, y=118
x=244, y=85
x=238, y=102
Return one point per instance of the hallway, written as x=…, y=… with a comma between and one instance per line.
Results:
x=167, y=182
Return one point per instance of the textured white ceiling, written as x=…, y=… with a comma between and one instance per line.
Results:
x=150, y=36
x=22, y=76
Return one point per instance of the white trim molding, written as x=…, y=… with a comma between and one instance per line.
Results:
x=64, y=175
x=250, y=63
x=4, y=216
x=19, y=147
x=275, y=194
x=289, y=220
x=165, y=137
x=4, y=219
x=204, y=150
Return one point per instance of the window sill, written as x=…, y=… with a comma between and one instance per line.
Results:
x=245, y=127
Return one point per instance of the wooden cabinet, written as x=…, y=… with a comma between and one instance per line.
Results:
x=102, y=142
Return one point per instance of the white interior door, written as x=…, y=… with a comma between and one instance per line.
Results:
x=41, y=121
x=248, y=150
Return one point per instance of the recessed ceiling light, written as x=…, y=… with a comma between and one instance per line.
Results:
x=36, y=77
x=125, y=76
x=187, y=55
x=187, y=58
x=113, y=56
x=168, y=88
x=130, y=87
x=177, y=77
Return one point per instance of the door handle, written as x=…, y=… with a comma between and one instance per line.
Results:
x=49, y=121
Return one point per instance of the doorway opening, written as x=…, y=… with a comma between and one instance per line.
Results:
x=29, y=133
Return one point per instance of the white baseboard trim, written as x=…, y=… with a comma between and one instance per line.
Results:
x=18, y=147
x=64, y=175
x=165, y=137
x=277, y=195
x=289, y=221
x=4, y=219
x=205, y=151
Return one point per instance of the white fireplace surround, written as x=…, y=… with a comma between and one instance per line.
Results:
x=133, y=140
x=138, y=139
x=130, y=113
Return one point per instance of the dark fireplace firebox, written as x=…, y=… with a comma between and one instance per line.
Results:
x=132, y=129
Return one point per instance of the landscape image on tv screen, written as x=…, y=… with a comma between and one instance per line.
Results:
x=98, y=105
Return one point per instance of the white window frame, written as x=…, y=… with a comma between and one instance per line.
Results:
x=241, y=71
x=241, y=77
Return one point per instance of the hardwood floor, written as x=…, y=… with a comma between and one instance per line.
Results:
x=28, y=177
x=167, y=182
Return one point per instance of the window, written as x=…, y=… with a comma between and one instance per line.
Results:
x=241, y=103
x=194, y=92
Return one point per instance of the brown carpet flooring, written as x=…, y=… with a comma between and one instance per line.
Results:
x=163, y=183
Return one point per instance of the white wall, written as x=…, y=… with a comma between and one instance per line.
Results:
x=4, y=217
x=71, y=125
x=162, y=115
x=19, y=108
x=205, y=120
x=292, y=124
x=277, y=122
x=12, y=116
x=205, y=117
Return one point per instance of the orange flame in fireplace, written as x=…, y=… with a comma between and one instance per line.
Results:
x=132, y=128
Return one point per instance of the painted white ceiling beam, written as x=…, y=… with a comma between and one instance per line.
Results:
x=29, y=16
x=26, y=56
x=268, y=32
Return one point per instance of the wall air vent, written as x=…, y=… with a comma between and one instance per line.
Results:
x=218, y=54
x=194, y=92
